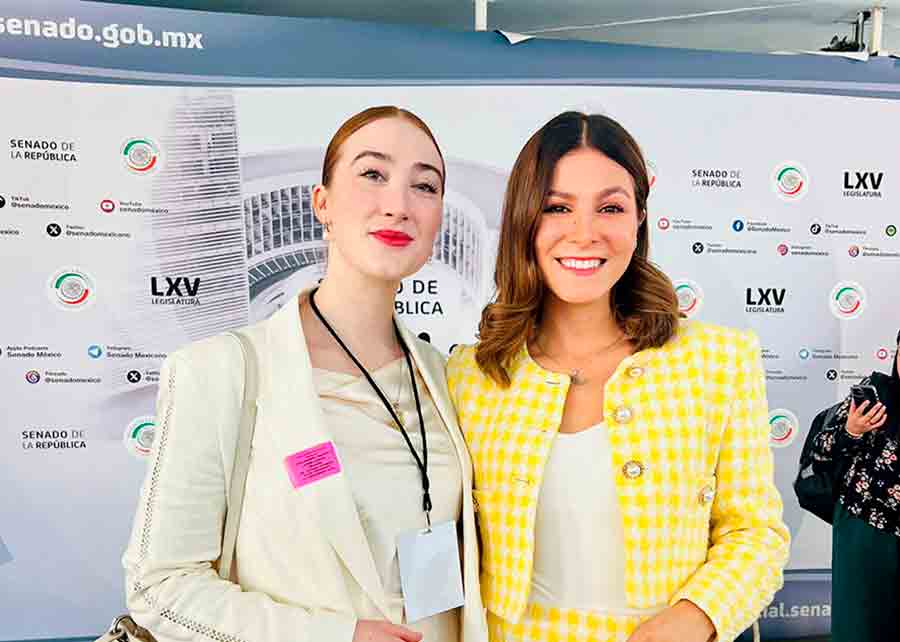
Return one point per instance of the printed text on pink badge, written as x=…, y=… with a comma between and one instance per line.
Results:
x=312, y=464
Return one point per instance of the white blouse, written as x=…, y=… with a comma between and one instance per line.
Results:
x=579, y=555
x=384, y=478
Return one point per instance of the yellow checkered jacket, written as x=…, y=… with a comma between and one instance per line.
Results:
x=688, y=425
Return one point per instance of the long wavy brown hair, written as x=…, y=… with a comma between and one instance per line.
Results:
x=643, y=300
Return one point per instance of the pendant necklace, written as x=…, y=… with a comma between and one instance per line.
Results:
x=575, y=374
x=396, y=402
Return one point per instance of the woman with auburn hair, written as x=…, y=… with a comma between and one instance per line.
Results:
x=358, y=473
x=623, y=479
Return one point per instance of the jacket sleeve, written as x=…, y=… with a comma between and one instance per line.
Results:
x=748, y=541
x=172, y=587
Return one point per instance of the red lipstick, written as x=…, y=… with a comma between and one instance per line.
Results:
x=393, y=238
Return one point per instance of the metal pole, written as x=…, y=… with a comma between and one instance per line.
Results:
x=481, y=10
x=877, y=29
x=859, y=29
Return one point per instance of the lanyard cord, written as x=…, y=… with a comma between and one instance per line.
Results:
x=422, y=463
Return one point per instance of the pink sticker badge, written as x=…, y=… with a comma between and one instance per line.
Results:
x=312, y=464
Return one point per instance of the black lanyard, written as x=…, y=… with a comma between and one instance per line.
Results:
x=421, y=463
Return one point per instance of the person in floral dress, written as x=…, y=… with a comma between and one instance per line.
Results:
x=865, y=575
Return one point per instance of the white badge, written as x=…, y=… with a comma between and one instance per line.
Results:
x=430, y=573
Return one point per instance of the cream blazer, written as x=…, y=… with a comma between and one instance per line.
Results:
x=303, y=567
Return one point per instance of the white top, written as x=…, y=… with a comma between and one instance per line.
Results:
x=579, y=554
x=383, y=475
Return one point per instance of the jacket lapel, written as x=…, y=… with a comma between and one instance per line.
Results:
x=297, y=423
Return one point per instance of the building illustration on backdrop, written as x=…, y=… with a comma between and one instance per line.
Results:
x=190, y=281
x=200, y=234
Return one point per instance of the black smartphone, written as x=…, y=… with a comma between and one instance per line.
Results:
x=860, y=393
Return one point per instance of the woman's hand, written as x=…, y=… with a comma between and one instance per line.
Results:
x=682, y=622
x=859, y=422
x=380, y=631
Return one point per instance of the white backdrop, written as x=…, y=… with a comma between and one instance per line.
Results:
x=112, y=265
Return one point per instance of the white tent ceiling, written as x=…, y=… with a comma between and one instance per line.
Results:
x=742, y=25
x=705, y=24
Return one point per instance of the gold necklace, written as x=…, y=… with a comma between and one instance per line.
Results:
x=578, y=379
x=396, y=404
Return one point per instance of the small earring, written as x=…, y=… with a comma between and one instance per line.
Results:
x=327, y=233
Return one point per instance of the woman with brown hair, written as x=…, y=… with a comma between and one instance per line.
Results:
x=358, y=472
x=623, y=479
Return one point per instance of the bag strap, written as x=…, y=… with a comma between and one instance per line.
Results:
x=125, y=629
x=241, y=455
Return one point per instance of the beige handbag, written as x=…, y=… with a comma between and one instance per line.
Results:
x=124, y=628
